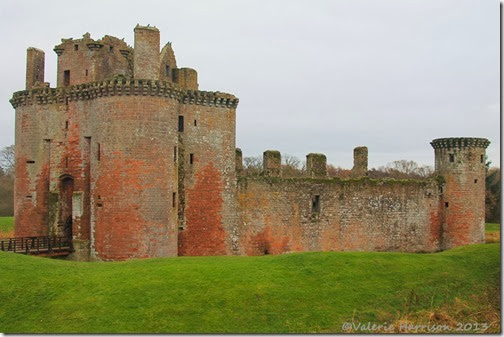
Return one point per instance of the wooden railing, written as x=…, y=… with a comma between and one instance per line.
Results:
x=36, y=245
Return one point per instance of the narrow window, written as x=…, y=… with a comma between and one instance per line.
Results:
x=475, y=181
x=481, y=158
x=111, y=49
x=174, y=153
x=76, y=47
x=86, y=72
x=446, y=204
x=66, y=125
x=174, y=199
x=98, y=152
x=167, y=71
x=191, y=158
x=175, y=75
x=29, y=196
x=316, y=204
x=195, y=123
x=66, y=77
x=181, y=123
x=30, y=161
x=452, y=158
x=66, y=162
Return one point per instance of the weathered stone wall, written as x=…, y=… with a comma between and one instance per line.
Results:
x=360, y=168
x=207, y=179
x=146, y=59
x=461, y=163
x=87, y=60
x=35, y=64
x=282, y=215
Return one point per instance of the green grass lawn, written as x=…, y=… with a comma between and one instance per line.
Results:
x=6, y=224
x=301, y=292
x=492, y=227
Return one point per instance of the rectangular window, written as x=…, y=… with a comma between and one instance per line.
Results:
x=195, y=123
x=66, y=125
x=98, y=152
x=446, y=204
x=481, y=158
x=66, y=162
x=66, y=77
x=452, y=158
x=167, y=71
x=76, y=47
x=30, y=161
x=174, y=199
x=191, y=158
x=316, y=204
x=175, y=75
x=174, y=153
x=475, y=181
x=181, y=123
x=87, y=72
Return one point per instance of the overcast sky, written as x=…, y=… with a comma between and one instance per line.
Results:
x=311, y=76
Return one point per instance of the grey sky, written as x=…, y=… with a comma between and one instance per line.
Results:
x=312, y=76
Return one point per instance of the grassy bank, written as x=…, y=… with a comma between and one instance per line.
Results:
x=6, y=226
x=302, y=292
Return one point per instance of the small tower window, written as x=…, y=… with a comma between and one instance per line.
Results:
x=475, y=181
x=195, y=123
x=66, y=162
x=66, y=77
x=446, y=204
x=66, y=125
x=191, y=158
x=167, y=71
x=481, y=158
x=76, y=47
x=174, y=199
x=452, y=158
x=316, y=204
x=98, y=152
x=181, y=123
x=86, y=72
x=111, y=49
x=174, y=153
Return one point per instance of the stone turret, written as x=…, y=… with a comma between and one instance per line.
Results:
x=461, y=164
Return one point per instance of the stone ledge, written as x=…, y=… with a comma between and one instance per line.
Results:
x=122, y=87
x=460, y=142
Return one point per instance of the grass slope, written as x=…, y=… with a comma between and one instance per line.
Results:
x=6, y=226
x=301, y=292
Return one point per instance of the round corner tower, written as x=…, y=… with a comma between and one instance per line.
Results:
x=461, y=163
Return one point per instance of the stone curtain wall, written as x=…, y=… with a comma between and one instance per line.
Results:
x=279, y=215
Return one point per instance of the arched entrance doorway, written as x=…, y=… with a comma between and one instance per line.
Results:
x=65, y=218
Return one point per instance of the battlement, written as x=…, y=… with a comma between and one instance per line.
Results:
x=122, y=87
x=459, y=142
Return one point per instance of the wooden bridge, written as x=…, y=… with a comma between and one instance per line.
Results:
x=37, y=245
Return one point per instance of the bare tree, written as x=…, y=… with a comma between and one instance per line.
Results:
x=336, y=171
x=7, y=159
x=252, y=165
x=402, y=169
x=292, y=166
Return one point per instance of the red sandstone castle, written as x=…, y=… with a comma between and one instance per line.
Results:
x=127, y=158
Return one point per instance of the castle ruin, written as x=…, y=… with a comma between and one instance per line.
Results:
x=127, y=158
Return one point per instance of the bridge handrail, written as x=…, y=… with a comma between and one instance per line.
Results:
x=34, y=244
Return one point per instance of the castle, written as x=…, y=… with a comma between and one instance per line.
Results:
x=129, y=159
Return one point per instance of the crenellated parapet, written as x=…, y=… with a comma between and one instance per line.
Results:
x=123, y=87
x=459, y=142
